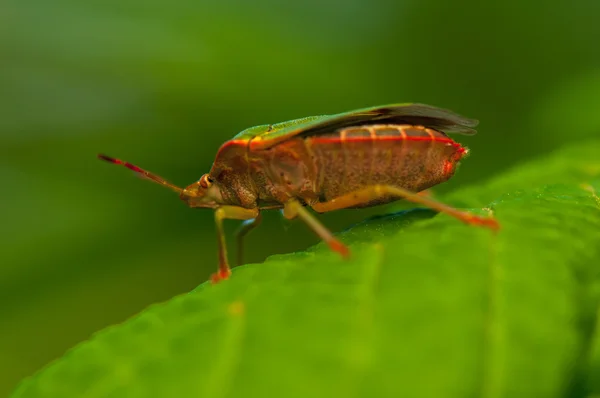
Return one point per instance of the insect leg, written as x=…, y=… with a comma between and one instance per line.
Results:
x=246, y=227
x=222, y=213
x=293, y=209
x=377, y=191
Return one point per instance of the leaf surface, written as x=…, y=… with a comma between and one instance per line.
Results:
x=426, y=307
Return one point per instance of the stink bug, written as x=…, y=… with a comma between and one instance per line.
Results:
x=356, y=159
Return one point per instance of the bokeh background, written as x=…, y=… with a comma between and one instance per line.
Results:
x=163, y=84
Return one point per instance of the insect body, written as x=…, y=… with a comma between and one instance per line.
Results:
x=356, y=159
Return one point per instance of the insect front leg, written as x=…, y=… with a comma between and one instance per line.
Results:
x=246, y=227
x=374, y=192
x=222, y=213
x=293, y=209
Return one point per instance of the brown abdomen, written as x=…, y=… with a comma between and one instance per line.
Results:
x=411, y=157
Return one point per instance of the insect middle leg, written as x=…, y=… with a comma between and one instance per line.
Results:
x=222, y=213
x=293, y=209
x=245, y=228
x=374, y=192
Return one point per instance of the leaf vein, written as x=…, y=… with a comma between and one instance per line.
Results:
x=492, y=339
x=362, y=359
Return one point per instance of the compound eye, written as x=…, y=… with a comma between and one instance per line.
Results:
x=205, y=181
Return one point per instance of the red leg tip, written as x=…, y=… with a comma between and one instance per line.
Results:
x=339, y=247
x=220, y=275
x=488, y=222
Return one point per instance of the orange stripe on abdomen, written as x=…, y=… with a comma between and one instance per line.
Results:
x=383, y=132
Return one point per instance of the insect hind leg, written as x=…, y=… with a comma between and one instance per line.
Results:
x=375, y=192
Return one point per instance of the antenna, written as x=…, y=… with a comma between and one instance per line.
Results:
x=143, y=173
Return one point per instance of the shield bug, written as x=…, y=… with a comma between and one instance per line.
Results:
x=355, y=159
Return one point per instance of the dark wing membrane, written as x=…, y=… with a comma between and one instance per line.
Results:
x=415, y=114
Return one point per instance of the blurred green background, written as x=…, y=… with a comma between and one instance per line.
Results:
x=164, y=84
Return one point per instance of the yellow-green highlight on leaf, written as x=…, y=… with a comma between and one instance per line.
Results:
x=426, y=307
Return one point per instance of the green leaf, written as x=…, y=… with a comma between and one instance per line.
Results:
x=426, y=307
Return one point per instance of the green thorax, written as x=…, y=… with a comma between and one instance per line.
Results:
x=268, y=131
